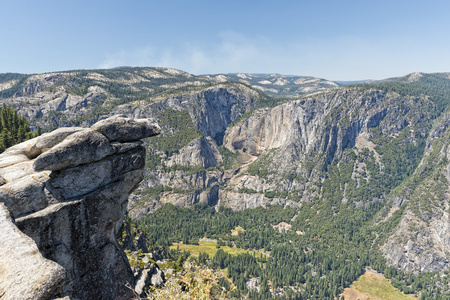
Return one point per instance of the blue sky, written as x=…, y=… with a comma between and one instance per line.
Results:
x=336, y=40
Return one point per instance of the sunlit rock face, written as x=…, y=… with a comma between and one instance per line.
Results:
x=64, y=195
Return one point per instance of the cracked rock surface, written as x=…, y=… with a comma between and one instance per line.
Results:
x=63, y=197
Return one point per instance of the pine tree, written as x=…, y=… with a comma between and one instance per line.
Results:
x=14, y=128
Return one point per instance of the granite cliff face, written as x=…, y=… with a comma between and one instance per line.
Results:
x=212, y=109
x=67, y=192
x=421, y=240
x=25, y=273
x=324, y=125
x=289, y=144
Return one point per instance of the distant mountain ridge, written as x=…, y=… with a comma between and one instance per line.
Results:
x=281, y=85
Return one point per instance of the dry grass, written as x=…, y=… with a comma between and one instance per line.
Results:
x=236, y=230
x=371, y=286
x=210, y=248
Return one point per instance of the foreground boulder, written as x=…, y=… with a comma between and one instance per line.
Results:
x=67, y=193
x=25, y=273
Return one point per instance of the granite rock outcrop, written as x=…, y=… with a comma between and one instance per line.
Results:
x=63, y=198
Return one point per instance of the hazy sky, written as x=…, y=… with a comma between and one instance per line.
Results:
x=336, y=40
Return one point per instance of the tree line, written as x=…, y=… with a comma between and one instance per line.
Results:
x=14, y=128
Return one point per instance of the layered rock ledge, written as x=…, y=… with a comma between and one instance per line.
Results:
x=63, y=196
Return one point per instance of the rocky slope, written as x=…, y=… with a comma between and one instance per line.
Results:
x=421, y=240
x=227, y=143
x=67, y=195
x=142, y=255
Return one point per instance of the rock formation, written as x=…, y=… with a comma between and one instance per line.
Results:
x=421, y=240
x=24, y=271
x=201, y=152
x=142, y=254
x=63, y=198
